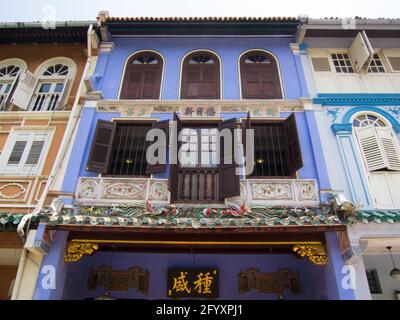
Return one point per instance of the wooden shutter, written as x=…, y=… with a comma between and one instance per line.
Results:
x=34, y=153
x=371, y=148
x=12, y=89
x=389, y=147
x=24, y=91
x=63, y=96
x=321, y=64
x=101, y=147
x=210, y=81
x=17, y=152
x=293, y=153
x=202, y=80
x=151, y=81
x=260, y=80
x=246, y=125
x=173, y=182
x=360, y=51
x=159, y=167
x=395, y=63
x=229, y=182
x=142, y=81
x=191, y=82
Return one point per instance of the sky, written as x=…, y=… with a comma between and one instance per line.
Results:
x=61, y=10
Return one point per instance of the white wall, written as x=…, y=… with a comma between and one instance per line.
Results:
x=383, y=264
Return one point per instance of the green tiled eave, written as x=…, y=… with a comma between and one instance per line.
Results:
x=142, y=216
x=378, y=216
x=10, y=218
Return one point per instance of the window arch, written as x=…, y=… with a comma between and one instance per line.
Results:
x=368, y=119
x=10, y=71
x=142, y=79
x=377, y=142
x=201, y=76
x=259, y=74
x=53, y=84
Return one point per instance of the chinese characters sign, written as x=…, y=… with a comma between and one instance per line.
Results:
x=192, y=283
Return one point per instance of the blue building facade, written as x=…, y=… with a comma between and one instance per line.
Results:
x=115, y=220
x=353, y=82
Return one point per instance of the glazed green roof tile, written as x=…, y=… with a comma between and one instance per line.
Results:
x=144, y=215
x=378, y=216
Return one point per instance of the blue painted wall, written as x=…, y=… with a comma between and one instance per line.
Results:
x=312, y=277
x=111, y=66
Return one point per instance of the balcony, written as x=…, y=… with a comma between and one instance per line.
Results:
x=266, y=192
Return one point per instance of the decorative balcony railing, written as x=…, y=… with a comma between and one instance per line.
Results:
x=45, y=101
x=266, y=192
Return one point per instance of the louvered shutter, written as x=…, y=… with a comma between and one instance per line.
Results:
x=251, y=83
x=173, y=167
x=160, y=167
x=293, y=153
x=24, y=91
x=210, y=82
x=34, y=153
x=270, y=84
x=191, y=82
x=12, y=89
x=371, y=148
x=389, y=147
x=229, y=181
x=63, y=96
x=321, y=64
x=395, y=63
x=133, y=81
x=101, y=147
x=17, y=152
x=149, y=86
x=360, y=51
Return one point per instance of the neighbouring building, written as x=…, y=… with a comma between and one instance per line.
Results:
x=41, y=81
x=352, y=68
x=123, y=228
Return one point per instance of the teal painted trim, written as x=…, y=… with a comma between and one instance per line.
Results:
x=342, y=128
x=359, y=99
x=348, y=115
x=303, y=46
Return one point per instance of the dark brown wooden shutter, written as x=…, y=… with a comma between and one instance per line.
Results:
x=295, y=161
x=246, y=124
x=210, y=82
x=142, y=81
x=260, y=80
x=229, y=181
x=173, y=167
x=202, y=80
x=159, y=167
x=101, y=146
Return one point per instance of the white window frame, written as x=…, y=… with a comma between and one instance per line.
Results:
x=369, y=174
x=12, y=81
x=33, y=134
x=386, y=54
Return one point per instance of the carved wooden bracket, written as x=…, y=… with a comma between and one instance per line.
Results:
x=269, y=282
x=316, y=253
x=123, y=280
x=76, y=250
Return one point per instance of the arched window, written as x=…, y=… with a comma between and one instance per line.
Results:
x=364, y=120
x=142, y=78
x=259, y=76
x=378, y=145
x=51, y=86
x=201, y=76
x=8, y=77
